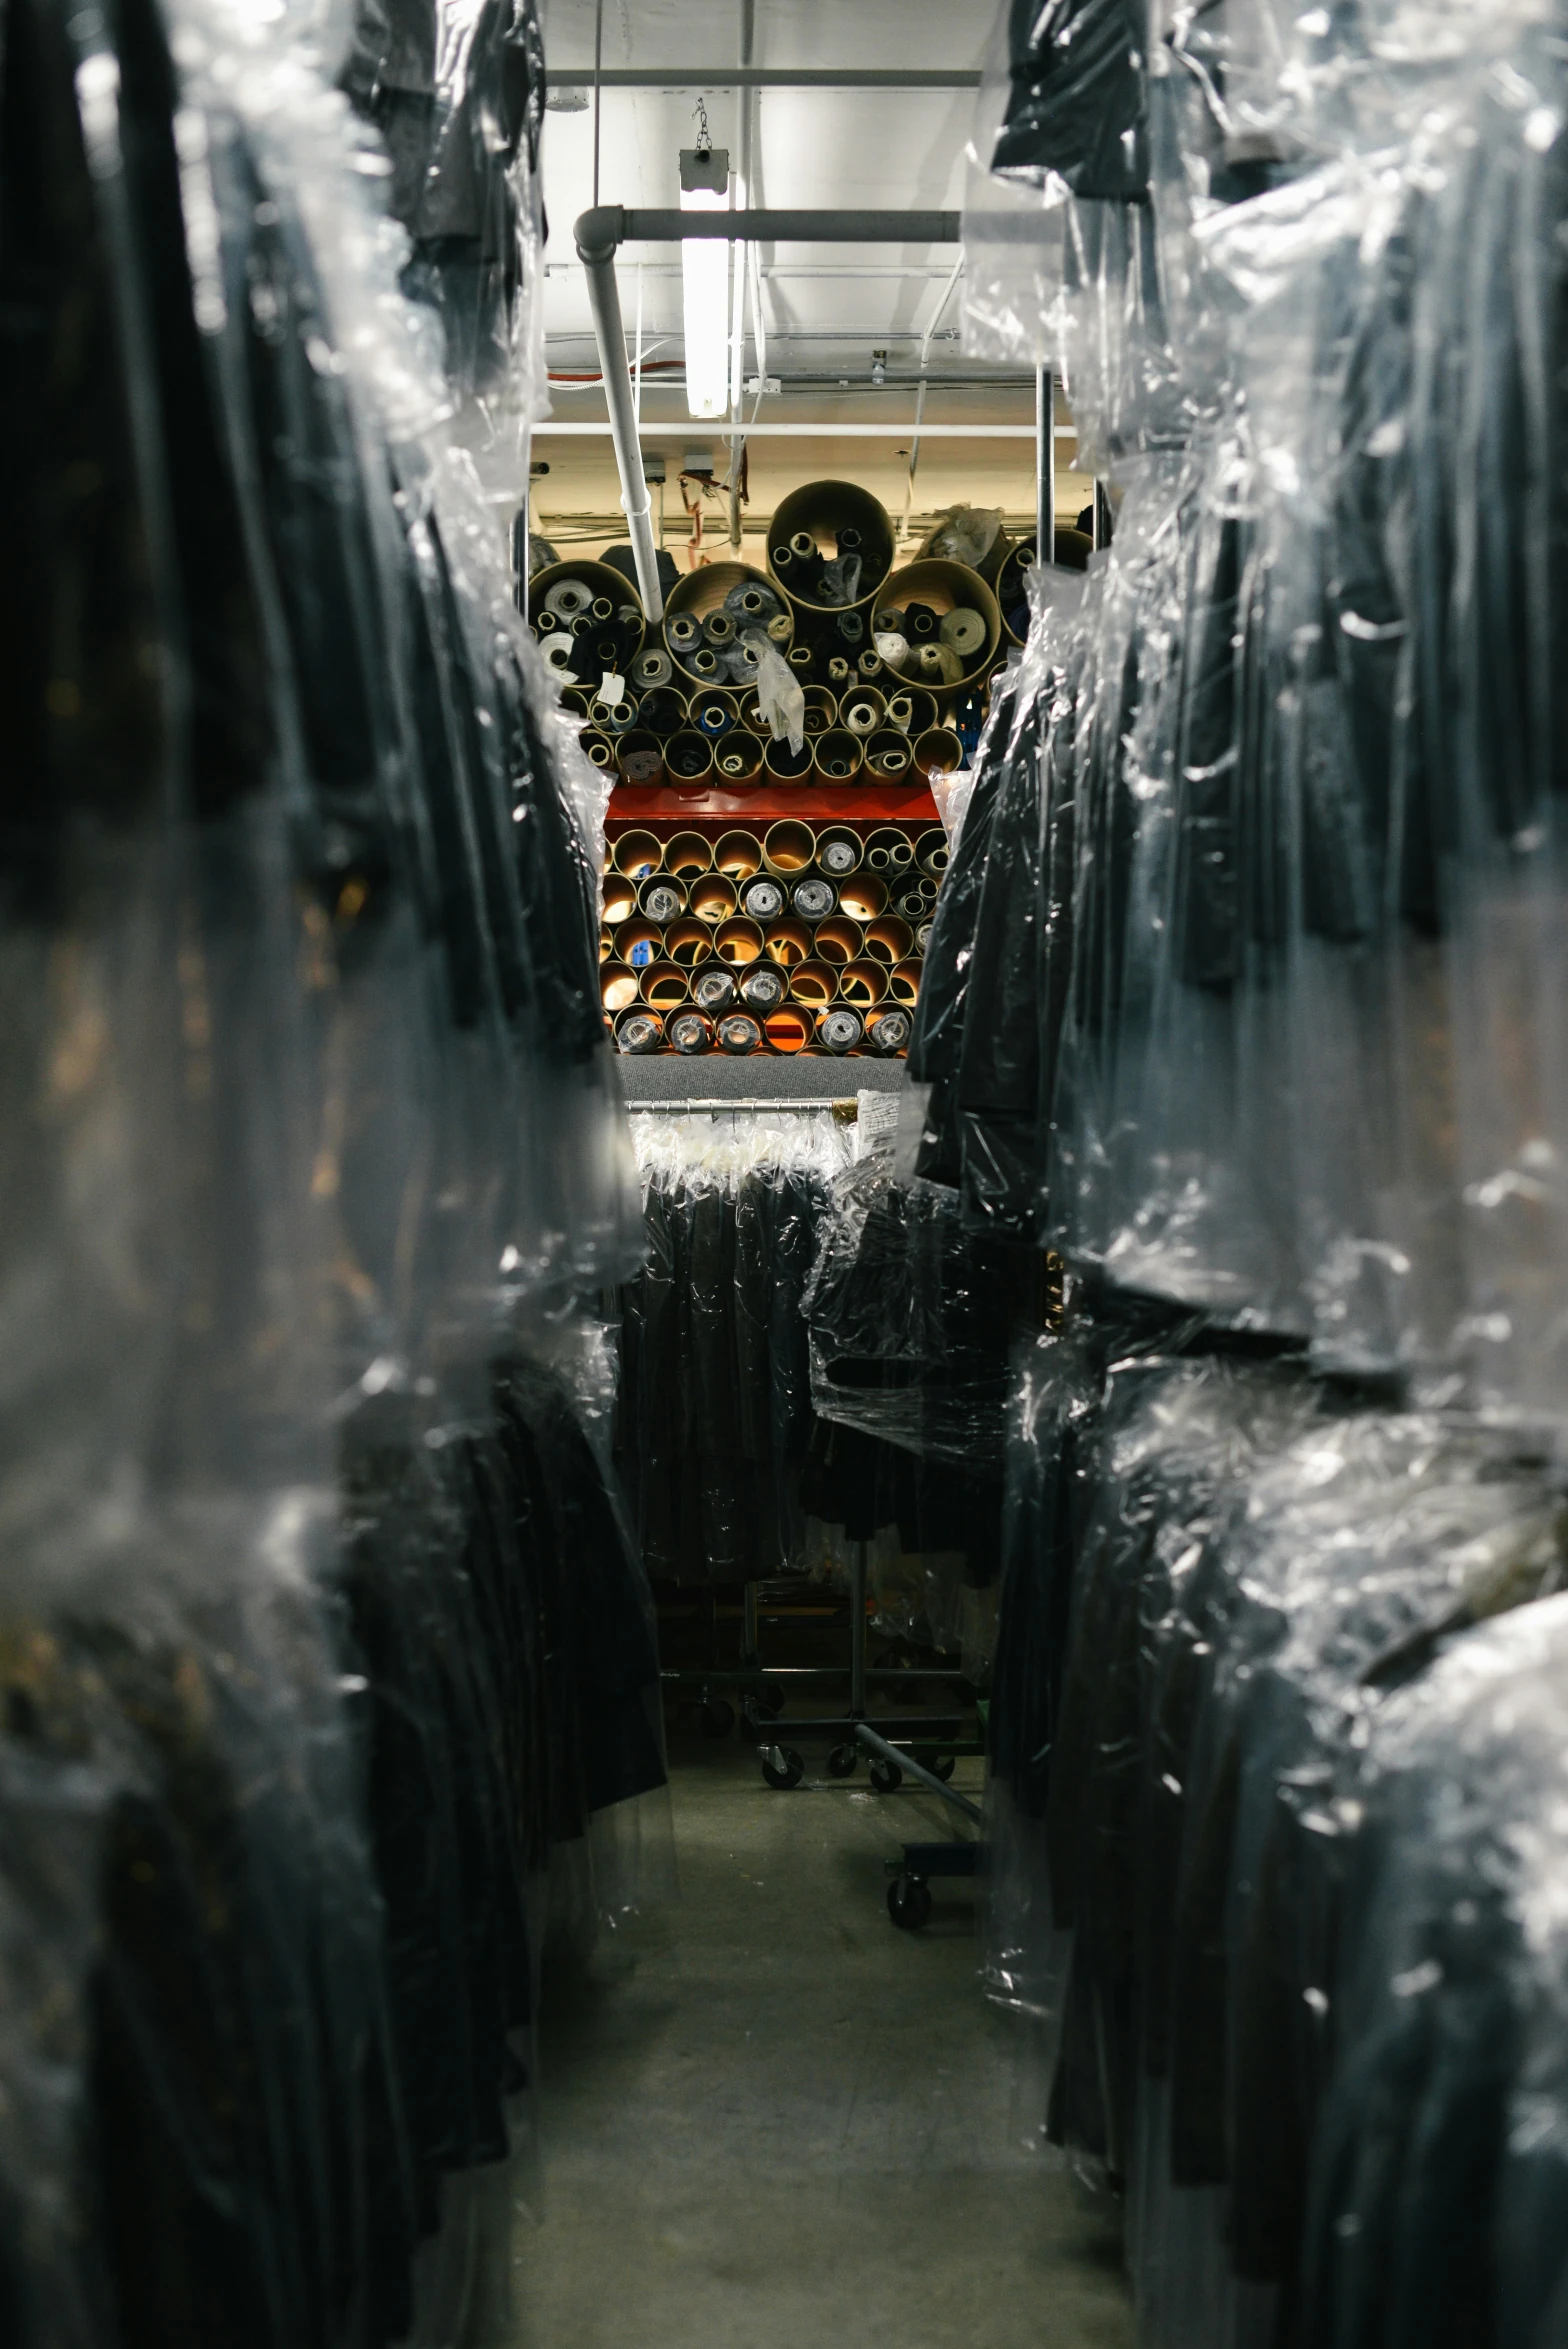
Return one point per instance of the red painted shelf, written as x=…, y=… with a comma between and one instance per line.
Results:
x=851, y=803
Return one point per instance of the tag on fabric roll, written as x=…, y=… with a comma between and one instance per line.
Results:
x=612, y=690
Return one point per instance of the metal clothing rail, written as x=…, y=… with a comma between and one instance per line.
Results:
x=745, y=1101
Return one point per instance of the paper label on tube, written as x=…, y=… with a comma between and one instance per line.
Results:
x=612, y=690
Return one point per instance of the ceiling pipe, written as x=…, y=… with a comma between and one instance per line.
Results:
x=608, y=226
x=672, y=427
x=601, y=231
x=761, y=77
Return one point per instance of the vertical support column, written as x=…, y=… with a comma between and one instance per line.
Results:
x=748, y=1629
x=1045, y=465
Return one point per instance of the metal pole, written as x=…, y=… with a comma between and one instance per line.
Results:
x=605, y=301
x=889, y=1753
x=857, y=1629
x=1045, y=465
x=762, y=77
x=748, y=1629
x=615, y=224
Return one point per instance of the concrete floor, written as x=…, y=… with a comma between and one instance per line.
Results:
x=770, y=2120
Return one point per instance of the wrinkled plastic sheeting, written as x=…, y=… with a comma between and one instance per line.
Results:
x=780, y=694
x=1254, y=1627
x=306, y=1112
x=715, y=1409
x=912, y=1320
x=457, y=98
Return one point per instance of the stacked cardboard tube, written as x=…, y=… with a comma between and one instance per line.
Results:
x=783, y=939
x=886, y=656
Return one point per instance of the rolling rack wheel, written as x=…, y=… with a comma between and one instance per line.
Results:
x=886, y=1776
x=944, y=1766
x=909, y=1903
x=842, y=1761
x=717, y=1717
x=770, y=1696
x=782, y=1766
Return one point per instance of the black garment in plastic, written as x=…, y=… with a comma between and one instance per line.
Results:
x=460, y=106
x=1076, y=103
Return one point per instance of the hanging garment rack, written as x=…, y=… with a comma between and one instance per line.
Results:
x=753, y=1681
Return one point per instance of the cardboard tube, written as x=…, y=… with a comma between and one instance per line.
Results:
x=839, y=757
x=904, y=983
x=688, y=758
x=619, y=987
x=888, y=757
x=890, y=940
x=938, y=752
x=599, y=748
x=688, y=1032
x=892, y=845
x=738, y=758
x=887, y=1032
x=764, y=897
x=713, y=990
x=838, y=850
x=739, y=1032
x=814, y=898
x=789, y=847
x=687, y=854
x=640, y=757
x=839, y=1030
x=713, y=711
x=787, y=1030
x=789, y=943
x=837, y=940
x=665, y=986
x=712, y=899
x=737, y=941
x=863, y=711
x=738, y=855
x=862, y=984
x=663, y=712
x=639, y=1031
x=821, y=710
x=763, y=988
x=620, y=897
x=637, y=854
x=912, y=710
x=814, y=984
x=931, y=853
x=688, y=942
x=662, y=899
x=785, y=765
x=863, y=898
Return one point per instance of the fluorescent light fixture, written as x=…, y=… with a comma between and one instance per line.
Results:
x=705, y=274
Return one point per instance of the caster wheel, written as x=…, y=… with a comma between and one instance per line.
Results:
x=782, y=1766
x=908, y=1903
x=717, y=1717
x=886, y=1777
x=944, y=1766
x=770, y=1696
x=841, y=1761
